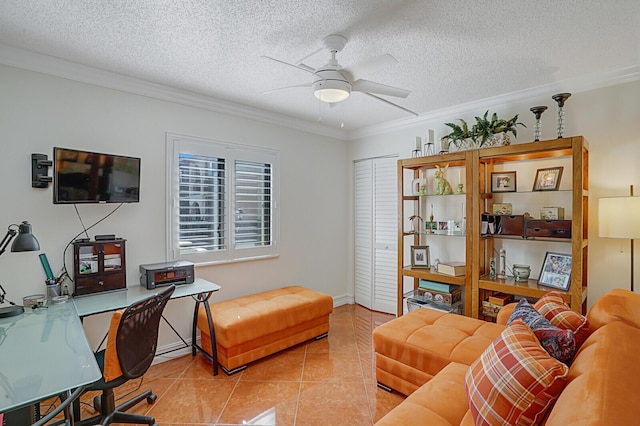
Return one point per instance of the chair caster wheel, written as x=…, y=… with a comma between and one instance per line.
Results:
x=97, y=404
x=152, y=398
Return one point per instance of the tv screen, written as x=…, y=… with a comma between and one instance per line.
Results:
x=92, y=177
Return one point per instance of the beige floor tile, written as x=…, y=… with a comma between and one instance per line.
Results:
x=193, y=401
x=332, y=367
x=333, y=404
x=345, y=342
x=170, y=369
x=262, y=403
x=284, y=366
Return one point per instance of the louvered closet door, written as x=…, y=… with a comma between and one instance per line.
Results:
x=375, y=234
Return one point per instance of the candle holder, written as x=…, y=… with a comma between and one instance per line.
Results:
x=429, y=149
x=444, y=146
x=537, y=111
x=561, y=98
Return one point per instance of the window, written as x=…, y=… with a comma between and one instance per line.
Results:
x=222, y=200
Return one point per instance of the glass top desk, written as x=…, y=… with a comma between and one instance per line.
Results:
x=200, y=290
x=44, y=353
x=106, y=302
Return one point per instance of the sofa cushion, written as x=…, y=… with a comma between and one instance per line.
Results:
x=552, y=307
x=603, y=380
x=615, y=305
x=558, y=342
x=112, y=369
x=441, y=401
x=515, y=380
x=413, y=348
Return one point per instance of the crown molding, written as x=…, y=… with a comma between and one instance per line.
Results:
x=45, y=64
x=573, y=85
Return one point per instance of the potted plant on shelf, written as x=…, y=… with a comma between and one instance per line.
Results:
x=485, y=132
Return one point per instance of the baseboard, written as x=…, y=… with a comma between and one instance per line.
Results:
x=345, y=299
x=175, y=350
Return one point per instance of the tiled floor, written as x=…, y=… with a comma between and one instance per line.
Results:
x=325, y=382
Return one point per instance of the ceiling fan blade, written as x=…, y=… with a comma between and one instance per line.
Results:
x=381, y=89
x=320, y=49
x=391, y=103
x=300, y=67
x=287, y=87
x=365, y=68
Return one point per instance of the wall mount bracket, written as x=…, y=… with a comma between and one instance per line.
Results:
x=40, y=171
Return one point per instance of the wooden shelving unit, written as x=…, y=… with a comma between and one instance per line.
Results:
x=477, y=166
x=410, y=204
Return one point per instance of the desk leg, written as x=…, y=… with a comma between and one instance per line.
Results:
x=204, y=299
x=66, y=399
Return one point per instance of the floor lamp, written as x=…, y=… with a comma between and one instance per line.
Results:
x=620, y=218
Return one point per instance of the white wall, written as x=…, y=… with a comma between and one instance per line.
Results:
x=38, y=112
x=606, y=117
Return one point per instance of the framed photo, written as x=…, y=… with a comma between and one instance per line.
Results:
x=419, y=256
x=503, y=181
x=548, y=179
x=556, y=271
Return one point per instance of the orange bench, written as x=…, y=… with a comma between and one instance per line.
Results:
x=251, y=327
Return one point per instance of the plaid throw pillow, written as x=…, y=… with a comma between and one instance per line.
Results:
x=515, y=380
x=558, y=342
x=552, y=307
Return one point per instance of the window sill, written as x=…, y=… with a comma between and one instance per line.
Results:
x=228, y=261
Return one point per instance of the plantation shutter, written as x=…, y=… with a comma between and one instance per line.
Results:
x=223, y=201
x=201, y=217
x=386, y=235
x=363, y=241
x=253, y=204
x=375, y=236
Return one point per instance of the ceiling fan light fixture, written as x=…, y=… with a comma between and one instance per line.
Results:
x=331, y=91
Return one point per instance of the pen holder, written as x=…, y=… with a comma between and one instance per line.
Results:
x=53, y=291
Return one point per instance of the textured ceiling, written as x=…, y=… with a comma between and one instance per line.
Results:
x=449, y=52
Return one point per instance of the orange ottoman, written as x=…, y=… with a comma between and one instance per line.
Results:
x=413, y=348
x=251, y=327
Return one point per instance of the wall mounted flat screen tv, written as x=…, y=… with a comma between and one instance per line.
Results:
x=92, y=177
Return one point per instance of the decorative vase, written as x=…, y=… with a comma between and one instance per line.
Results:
x=521, y=273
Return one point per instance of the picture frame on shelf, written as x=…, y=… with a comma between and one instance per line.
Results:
x=548, y=179
x=556, y=271
x=420, y=257
x=503, y=182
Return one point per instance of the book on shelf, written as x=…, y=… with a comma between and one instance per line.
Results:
x=452, y=268
x=432, y=285
x=500, y=299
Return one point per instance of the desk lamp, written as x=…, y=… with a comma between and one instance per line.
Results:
x=620, y=218
x=25, y=241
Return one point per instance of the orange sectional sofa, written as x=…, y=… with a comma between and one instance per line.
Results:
x=251, y=327
x=427, y=355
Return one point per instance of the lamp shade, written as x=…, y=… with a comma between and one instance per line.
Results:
x=619, y=217
x=25, y=240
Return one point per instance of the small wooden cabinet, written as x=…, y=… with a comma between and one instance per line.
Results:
x=99, y=266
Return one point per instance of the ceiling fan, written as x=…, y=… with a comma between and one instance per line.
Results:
x=333, y=84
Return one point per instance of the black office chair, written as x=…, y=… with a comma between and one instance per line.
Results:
x=136, y=342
